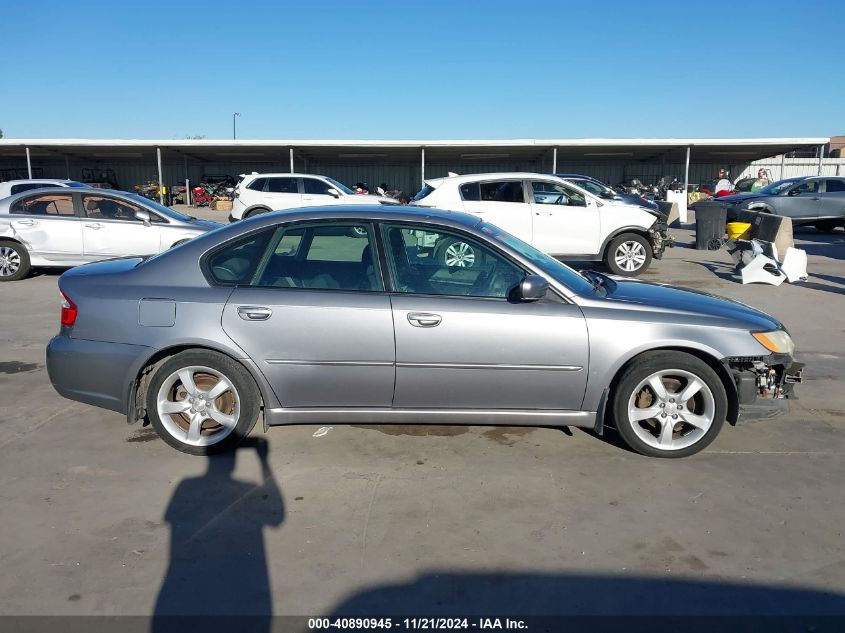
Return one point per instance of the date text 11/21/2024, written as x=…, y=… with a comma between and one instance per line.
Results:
x=417, y=624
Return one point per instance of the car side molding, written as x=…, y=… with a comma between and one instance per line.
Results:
x=388, y=415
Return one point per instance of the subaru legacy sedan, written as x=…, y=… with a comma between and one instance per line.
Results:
x=345, y=315
x=61, y=227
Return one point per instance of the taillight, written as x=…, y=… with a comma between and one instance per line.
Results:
x=69, y=310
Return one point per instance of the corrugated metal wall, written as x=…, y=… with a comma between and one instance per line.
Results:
x=406, y=176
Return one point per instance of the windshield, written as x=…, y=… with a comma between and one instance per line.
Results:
x=340, y=187
x=590, y=186
x=548, y=264
x=779, y=186
x=160, y=208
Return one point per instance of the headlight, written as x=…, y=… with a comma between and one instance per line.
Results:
x=777, y=341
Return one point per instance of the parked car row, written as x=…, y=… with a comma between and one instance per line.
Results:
x=559, y=216
x=817, y=201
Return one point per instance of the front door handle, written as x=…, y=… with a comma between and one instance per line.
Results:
x=254, y=313
x=96, y=226
x=424, y=319
x=26, y=222
x=814, y=198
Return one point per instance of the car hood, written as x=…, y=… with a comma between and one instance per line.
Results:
x=205, y=225
x=636, y=200
x=740, y=197
x=663, y=298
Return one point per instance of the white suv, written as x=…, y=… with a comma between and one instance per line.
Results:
x=553, y=215
x=260, y=193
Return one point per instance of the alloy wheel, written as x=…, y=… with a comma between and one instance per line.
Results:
x=459, y=255
x=630, y=256
x=10, y=261
x=671, y=409
x=198, y=405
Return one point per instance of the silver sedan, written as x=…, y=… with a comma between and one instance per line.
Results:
x=344, y=315
x=61, y=227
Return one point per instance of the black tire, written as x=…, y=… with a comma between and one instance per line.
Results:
x=629, y=239
x=234, y=372
x=254, y=212
x=827, y=226
x=641, y=368
x=14, y=261
x=456, y=254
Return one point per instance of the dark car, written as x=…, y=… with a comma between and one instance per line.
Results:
x=809, y=200
x=598, y=188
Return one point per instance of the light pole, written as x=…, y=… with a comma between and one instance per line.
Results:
x=234, y=129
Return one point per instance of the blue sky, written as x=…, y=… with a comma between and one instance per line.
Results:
x=407, y=69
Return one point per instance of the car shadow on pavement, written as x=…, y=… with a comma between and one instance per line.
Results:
x=596, y=602
x=218, y=563
x=720, y=269
x=830, y=245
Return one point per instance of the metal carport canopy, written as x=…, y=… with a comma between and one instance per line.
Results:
x=599, y=149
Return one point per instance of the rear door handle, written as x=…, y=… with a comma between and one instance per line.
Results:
x=254, y=313
x=424, y=319
x=26, y=222
x=96, y=226
x=814, y=198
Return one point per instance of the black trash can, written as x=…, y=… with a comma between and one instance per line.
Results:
x=710, y=219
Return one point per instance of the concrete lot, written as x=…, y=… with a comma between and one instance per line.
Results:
x=427, y=519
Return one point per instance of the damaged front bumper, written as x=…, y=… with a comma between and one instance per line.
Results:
x=764, y=384
x=660, y=238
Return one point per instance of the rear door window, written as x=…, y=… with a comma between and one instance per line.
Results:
x=835, y=186
x=45, y=204
x=282, y=185
x=502, y=191
x=336, y=256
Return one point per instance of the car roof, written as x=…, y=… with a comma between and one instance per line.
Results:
x=576, y=176
x=372, y=212
x=499, y=175
x=23, y=181
x=285, y=173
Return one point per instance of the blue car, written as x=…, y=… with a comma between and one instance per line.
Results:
x=598, y=188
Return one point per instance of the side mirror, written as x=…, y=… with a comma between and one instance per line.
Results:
x=143, y=216
x=793, y=192
x=333, y=192
x=531, y=288
x=608, y=195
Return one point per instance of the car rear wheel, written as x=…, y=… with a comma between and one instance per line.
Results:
x=202, y=402
x=14, y=261
x=255, y=212
x=669, y=404
x=456, y=254
x=628, y=255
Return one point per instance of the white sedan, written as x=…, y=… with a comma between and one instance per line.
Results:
x=63, y=227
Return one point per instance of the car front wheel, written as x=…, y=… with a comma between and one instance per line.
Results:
x=668, y=404
x=628, y=255
x=202, y=402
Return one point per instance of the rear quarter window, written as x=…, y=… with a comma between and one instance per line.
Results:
x=470, y=191
x=257, y=184
x=426, y=191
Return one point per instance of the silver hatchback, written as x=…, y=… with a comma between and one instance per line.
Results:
x=344, y=315
x=61, y=227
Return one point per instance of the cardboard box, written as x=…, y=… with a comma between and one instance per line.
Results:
x=221, y=205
